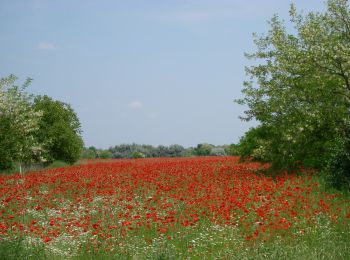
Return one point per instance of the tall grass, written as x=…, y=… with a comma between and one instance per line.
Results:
x=202, y=242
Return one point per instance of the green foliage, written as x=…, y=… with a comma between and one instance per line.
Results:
x=137, y=155
x=217, y=151
x=127, y=150
x=18, y=249
x=89, y=153
x=188, y=152
x=203, y=149
x=105, y=154
x=18, y=124
x=338, y=167
x=57, y=164
x=255, y=143
x=59, y=130
x=232, y=149
x=301, y=88
x=149, y=151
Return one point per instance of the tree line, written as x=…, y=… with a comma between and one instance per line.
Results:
x=35, y=129
x=148, y=151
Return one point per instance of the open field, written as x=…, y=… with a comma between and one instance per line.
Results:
x=170, y=208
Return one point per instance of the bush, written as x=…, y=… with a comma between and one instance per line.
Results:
x=255, y=143
x=203, y=149
x=218, y=151
x=232, y=149
x=105, y=154
x=137, y=155
x=338, y=168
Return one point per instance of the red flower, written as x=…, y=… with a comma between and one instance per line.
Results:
x=47, y=239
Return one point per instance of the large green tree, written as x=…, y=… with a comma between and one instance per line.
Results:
x=301, y=85
x=59, y=130
x=18, y=124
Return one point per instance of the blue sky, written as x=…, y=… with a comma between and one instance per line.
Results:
x=150, y=72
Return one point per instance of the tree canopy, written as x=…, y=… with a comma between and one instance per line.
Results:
x=59, y=130
x=18, y=124
x=300, y=88
x=35, y=129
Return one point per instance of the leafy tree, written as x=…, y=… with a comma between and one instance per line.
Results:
x=89, y=153
x=175, y=150
x=232, y=149
x=203, y=149
x=59, y=130
x=256, y=143
x=105, y=154
x=301, y=87
x=217, y=151
x=188, y=152
x=137, y=155
x=18, y=124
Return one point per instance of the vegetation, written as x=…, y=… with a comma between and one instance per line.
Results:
x=149, y=151
x=170, y=208
x=207, y=207
x=59, y=130
x=300, y=92
x=36, y=129
x=18, y=124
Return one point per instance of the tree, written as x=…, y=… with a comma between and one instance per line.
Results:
x=175, y=150
x=203, y=149
x=105, y=154
x=18, y=124
x=256, y=143
x=137, y=155
x=59, y=130
x=232, y=150
x=301, y=87
x=217, y=151
x=89, y=153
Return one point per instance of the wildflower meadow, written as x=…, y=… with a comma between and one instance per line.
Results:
x=170, y=208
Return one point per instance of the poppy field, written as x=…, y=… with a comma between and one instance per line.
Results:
x=169, y=208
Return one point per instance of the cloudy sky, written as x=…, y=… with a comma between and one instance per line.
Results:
x=144, y=71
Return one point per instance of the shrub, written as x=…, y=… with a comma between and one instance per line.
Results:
x=255, y=143
x=137, y=155
x=338, y=167
x=105, y=154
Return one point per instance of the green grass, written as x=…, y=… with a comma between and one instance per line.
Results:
x=205, y=241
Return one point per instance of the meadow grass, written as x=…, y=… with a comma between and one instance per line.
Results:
x=205, y=241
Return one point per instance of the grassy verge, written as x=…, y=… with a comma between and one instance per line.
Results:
x=205, y=241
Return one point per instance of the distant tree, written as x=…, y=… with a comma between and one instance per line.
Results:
x=203, y=149
x=217, y=151
x=89, y=153
x=175, y=150
x=18, y=124
x=105, y=154
x=137, y=155
x=232, y=149
x=59, y=130
x=188, y=152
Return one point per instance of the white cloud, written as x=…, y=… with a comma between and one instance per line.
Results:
x=135, y=105
x=46, y=46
